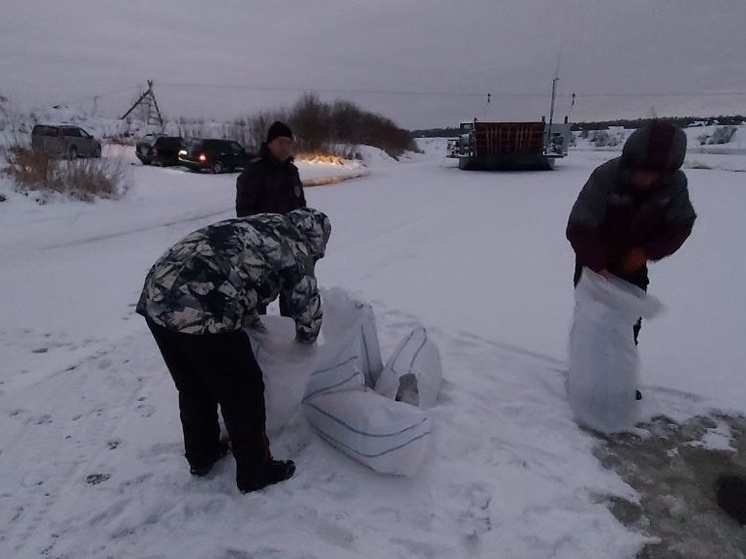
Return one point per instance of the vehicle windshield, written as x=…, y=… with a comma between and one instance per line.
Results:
x=168, y=142
x=193, y=143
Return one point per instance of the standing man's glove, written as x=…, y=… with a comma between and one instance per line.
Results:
x=636, y=258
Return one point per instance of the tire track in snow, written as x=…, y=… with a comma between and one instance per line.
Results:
x=104, y=237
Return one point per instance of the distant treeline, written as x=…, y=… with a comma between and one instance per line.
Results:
x=683, y=122
x=318, y=127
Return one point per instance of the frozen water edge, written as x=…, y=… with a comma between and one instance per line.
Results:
x=673, y=467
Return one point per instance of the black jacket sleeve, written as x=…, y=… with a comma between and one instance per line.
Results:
x=679, y=221
x=587, y=215
x=297, y=183
x=248, y=188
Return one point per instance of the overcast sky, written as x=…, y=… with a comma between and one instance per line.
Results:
x=422, y=63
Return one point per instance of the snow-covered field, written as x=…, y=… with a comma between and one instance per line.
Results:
x=701, y=152
x=91, y=458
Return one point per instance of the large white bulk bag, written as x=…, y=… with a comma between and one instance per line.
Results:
x=389, y=437
x=413, y=373
x=350, y=322
x=345, y=357
x=604, y=363
x=286, y=367
x=336, y=369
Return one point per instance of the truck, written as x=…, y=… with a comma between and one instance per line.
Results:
x=510, y=146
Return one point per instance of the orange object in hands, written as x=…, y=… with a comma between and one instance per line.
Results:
x=636, y=258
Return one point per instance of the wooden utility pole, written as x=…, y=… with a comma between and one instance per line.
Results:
x=147, y=100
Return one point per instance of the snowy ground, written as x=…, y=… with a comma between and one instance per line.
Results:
x=91, y=458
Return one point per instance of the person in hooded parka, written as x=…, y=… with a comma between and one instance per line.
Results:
x=634, y=208
x=197, y=300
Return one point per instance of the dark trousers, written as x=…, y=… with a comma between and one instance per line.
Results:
x=640, y=279
x=211, y=370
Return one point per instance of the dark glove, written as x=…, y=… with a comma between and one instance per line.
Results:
x=305, y=340
x=255, y=323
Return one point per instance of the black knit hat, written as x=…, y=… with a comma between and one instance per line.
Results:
x=279, y=129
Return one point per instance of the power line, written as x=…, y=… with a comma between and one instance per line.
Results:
x=93, y=96
x=117, y=91
x=320, y=90
x=667, y=94
x=449, y=93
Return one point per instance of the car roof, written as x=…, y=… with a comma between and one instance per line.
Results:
x=193, y=139
x=158, y=137
x=62, y=127
x=38, y=126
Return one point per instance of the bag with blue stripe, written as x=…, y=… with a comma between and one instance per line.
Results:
x=388, y=436
x=413, y=374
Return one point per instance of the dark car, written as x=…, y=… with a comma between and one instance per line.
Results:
x=64, y=140
x=159, y=150
x=214, y=155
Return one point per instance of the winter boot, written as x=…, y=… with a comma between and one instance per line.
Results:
x=274, y=471
x=200, y=470
x=731, y=496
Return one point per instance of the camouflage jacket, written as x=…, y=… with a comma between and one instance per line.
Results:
x=213, y=280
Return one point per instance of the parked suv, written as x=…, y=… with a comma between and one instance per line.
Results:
x=64, y=141
x=214, y=155
x=159, y=150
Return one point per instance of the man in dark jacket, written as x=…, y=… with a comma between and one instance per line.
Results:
x=198, y=298
x=635, y=208
x=271, y=183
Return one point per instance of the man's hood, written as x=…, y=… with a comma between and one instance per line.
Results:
x=657, y=146
x=314, y=226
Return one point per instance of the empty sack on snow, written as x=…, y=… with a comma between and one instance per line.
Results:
x=413, y=374
x=389, y=437
x=604, y=363
x=351, y=322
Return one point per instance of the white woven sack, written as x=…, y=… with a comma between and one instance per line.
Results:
x=604, y=363
x=286, y=366
x=346, y=351
x=414, y=373
x=336, y=370
x=349, y=321
x=389, y=437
